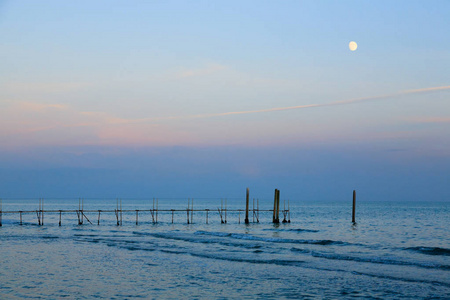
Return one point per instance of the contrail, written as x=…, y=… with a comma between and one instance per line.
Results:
x=334, y=103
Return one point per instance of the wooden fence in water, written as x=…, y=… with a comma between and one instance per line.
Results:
x=154, y=211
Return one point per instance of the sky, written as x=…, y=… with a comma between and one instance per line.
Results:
x=177, y=99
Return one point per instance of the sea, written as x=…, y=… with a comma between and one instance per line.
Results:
x=395, y=250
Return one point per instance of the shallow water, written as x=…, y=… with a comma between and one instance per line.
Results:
x=396, y=250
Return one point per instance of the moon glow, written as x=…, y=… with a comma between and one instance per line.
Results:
x=352, y=46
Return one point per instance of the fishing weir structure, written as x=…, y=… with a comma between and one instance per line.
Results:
x=154, y=211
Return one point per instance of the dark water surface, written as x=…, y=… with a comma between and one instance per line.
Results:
x=396, y=250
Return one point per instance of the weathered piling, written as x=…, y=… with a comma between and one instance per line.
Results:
x=253, y=211
x=153, y=212
x=192, y=211
x=187, y=210
x=257, y=210
x=246, y=206
x=289, y=213
x=60, y=213
x=39, y=213
x=276, y=207
x=98, y=219
x=117, y=212
x=354, y=206
x=221, y=212
x=226, y=210
x=137, y=212
x=121, y=212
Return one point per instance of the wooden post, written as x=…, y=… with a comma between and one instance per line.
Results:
x=20, y=214
x=187, y=210
x=117, y=211
x=274, y=205
x=42, y=212
x=80, y=212
x=120, y=212
x=354, y=205
x=157, y=201
x=59, y=218
x=38, y=213
x=225, y=210
x=221, y=211
x=98, y=220
x=253, y=211
x=289, y=213
x=192, y=211
x=278, y=206
x=246, y=206
x=274, y=220
x=83, y=215
x=172, y=216
x=207, y=216
x=137, y=216
x=257, y=210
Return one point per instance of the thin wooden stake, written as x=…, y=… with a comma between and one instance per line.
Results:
x=225, y=210
x=117, y=211
x=172, y=216
x=60, y=218
x=274, y=219
x=137, y=216
x=257, y=210
x=192, y=211
x=38, y=213
x=98, y=220
x=253, y=211
x=289, y=213
x=246, y=206
x=187, y=210
x=354, y=206
x=83, y=215
x=207, y=216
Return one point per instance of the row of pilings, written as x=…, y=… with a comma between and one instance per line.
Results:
x=81, y=216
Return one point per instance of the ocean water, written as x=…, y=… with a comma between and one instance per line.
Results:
x=395, y=251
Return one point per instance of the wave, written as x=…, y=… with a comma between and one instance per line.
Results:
x=302, y=230
x=430, y=250
x=374, y=260
x=291, y=229
x=272, y=240
x=251, y=260
x=200, y=240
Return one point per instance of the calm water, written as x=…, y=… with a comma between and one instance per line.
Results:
x=396, y=250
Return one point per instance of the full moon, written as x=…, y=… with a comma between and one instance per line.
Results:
x=352, y=45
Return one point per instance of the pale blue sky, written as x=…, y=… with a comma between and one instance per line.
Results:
x=92, y=86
